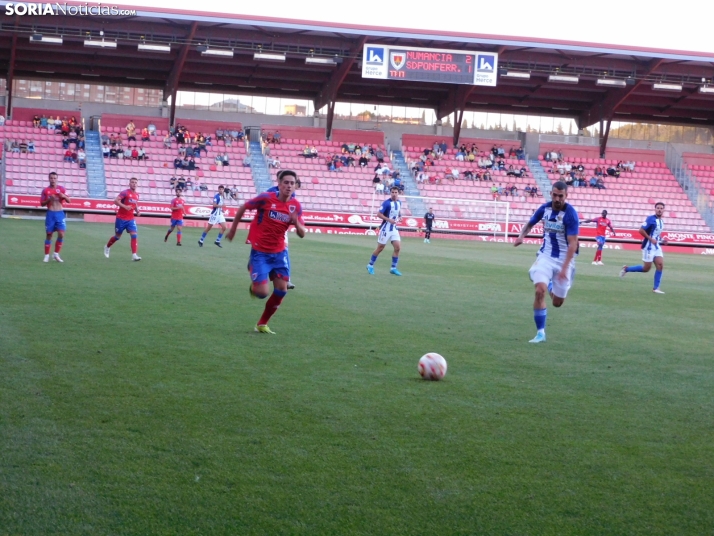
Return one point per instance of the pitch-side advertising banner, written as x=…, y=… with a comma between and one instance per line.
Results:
x=351, y=220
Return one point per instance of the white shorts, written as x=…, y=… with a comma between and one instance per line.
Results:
x=216, y=218
x=649, y=254
x=545, y=269
x=386, y=236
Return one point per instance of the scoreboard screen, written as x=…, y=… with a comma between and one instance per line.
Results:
x=429, y=65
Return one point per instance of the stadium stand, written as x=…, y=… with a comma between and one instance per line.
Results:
x=701, y=166
x=156, y=172
x=350, y=189
x=631, y=196
x=26, y=173
x=522, y=204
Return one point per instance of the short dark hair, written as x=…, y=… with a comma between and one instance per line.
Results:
x=286, y=173
x=560, y=185
x=658, y=203
x=221, y=186
x=52, y=173
x=394, y=188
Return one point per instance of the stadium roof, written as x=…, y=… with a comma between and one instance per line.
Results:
x=191, y=34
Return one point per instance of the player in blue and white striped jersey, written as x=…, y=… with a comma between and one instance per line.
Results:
x=554, y=267
x=389, y=213
x=216, y=218
x=651, y=232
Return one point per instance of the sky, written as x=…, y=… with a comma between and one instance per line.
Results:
x=679, y=26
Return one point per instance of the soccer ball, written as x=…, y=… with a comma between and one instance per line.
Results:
x=432, y=366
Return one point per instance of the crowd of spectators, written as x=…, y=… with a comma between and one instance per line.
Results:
x=576, y=175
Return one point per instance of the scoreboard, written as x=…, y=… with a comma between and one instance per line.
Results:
x=429, y=65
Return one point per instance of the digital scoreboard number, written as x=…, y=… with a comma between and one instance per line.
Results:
x=429, y=65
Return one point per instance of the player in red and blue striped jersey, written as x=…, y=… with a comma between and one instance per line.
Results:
x=275, y=190
x=128, y=203
x=177, y=214
x=52, y=197
x=554, y=268
x=269, y=260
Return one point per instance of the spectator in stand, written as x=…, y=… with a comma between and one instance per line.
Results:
x=247, y=161
x=460, y=156
x=131, y=130
x=363, y=161
x=167, y=141
x=520, y=154
x=43, y=121
x=240, y=134
x=72, y=122
x=613, y=172
x=201, y=142
x=485, y=163
x=181, y=183
x=495, y=193
x=468, y=175
x=64, y=129
x=30, y=146
x=501, y=152
x=36, y=121
x=192, y=164
x=145, y=136
x=313, y=153
x=82, y=158
x=23, y=147
x=487, y=176
x=534, y=191
x=451, y=174
x=14, y=146
x=105, y=150
x=113, y=152
x=173, y=181
x=514, y=190
x=274, y=162
x=379, y=155
x=527, y=190
x=80, y=142
x=114, y=140
x=629, y=166
x=178, y=163
x=276, y=137
x=593, y=182
x=220, y=134
x=142, y=154
x=51, y=124
x=600, y=184
x=152, y=129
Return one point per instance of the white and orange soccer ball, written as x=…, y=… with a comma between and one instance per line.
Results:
x=432, y=366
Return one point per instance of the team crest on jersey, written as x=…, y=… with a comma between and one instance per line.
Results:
x=272, y=206
x=292, y=208
x=254, y=276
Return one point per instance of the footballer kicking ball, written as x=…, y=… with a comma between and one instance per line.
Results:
x=432, y=366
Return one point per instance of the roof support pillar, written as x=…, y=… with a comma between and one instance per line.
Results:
x=330, y=118
x=173, y=80
x=10, y=78
x=458, y=119
x=603, y=137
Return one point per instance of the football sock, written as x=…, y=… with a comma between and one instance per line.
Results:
x=58, y=244
x=48, y=243
x=203, y=236
x=395, y=260
x=168, y=233
x=220, y=235
x=373, y=259
x=598, y=255
x=637, y=268
x=134, y=245
x=111, y=241
x=178, y=237
x=657, y=278
x=271, y=306
x=540, y=315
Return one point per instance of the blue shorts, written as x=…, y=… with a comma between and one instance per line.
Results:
x=264, y=266
x=124, y=225
x=600, y=241
x=54, y=221
x=174, y=223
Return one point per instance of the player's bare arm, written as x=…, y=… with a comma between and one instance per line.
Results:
x=236, y=220
x=644, y=234
x=385, y=218
x=524, y=232
x=572, y=248
x=300, y=228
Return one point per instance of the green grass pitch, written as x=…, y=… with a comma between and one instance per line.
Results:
x=136, y=399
